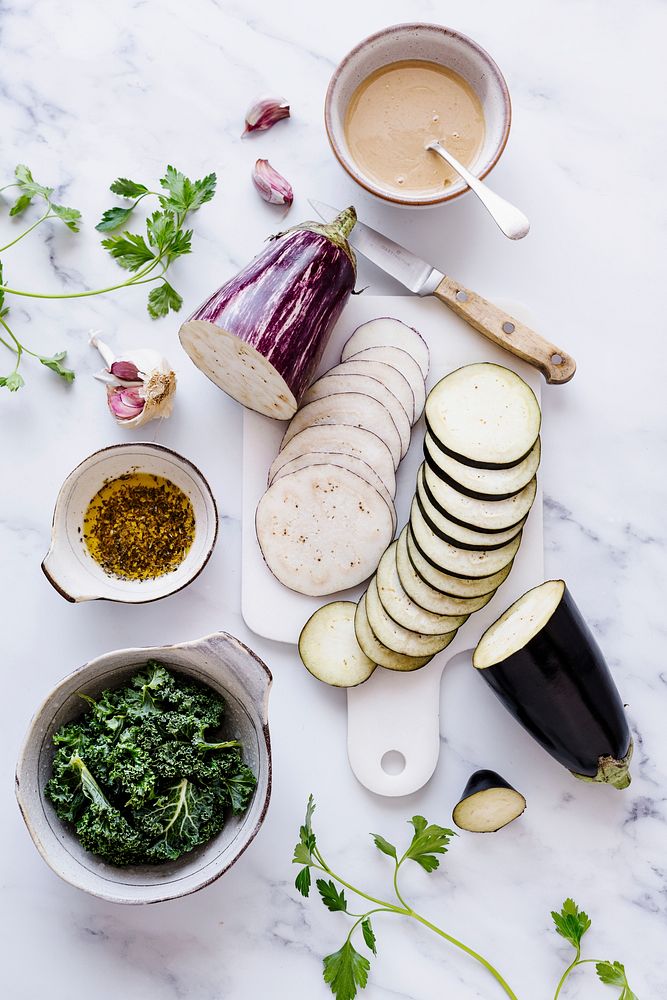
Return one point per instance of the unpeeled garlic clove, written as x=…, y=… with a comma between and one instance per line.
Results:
x=140, y=384
x=272, y=186
x=264, y=113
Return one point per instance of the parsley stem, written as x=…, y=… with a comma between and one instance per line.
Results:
x=571, y=967
x=396, y=890
x=138, y=279
x=18, y=350
x=28, y=230
x=459, y=944
x=372, y=899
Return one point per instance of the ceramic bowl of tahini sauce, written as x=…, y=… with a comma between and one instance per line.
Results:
x=403, y=87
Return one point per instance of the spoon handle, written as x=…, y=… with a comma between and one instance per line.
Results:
x=555, y=364
x=509, y=219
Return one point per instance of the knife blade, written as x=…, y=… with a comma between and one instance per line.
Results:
x=413, y=272
x=421, y=278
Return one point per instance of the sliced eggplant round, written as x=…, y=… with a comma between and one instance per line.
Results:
x=356, y=465
x=322, y=529
x=543, y=662
x=376, y=651
x=449, y=583
x=452, y=559
x=484, y=415
x=485, y=484
x=488, y=803
x=395, y=636
x=428, y=597
x=455, y=533
x=405, y=364
x=333, y=384
x=401, y=608
x=388, y=332
x=389, y=376
x=329, y=649
x=485, y=515
x=337, y=440
x=348, y=409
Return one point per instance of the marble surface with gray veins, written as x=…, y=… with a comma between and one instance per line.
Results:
x=89, y=91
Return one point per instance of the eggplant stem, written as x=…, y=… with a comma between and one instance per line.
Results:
x=611, y=771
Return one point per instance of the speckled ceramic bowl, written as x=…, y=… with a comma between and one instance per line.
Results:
x=68, y=565
x=434, y=43
x=218, y=660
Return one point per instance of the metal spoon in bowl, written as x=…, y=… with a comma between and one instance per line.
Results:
x=509, y=219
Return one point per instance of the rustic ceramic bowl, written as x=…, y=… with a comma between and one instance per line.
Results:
x=434, y=43
x=218, y=660
x=68, y=565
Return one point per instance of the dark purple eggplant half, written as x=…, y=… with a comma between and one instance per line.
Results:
x=543, y=662
x=261, y=336
x=488, y=803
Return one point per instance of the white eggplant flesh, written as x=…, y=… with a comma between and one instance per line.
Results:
x=323, y=529
x=449, y=583
x=339, y=440
x=389, y=376
x=487, y=484
x=488, y=804
x=403, y=363
x=388, y=332
x=329, y=649
x=426, y=596
x=484, y=415
x=356, y=465
x=483, y=515
x=331, y=384
x=450, y=558
x=455, y=533
x=395, y=636
x=378, y=652
x=402, y=609
x=348, y=409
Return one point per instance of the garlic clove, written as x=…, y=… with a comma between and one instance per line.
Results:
x=271, y=185
x=125, y=404
x=158, y=394
x=264, y=113
x=127, y=371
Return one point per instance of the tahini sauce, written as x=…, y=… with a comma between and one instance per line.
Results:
x=397, y=110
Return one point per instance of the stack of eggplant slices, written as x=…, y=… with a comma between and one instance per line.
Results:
x=473, y=494
x=328, y=513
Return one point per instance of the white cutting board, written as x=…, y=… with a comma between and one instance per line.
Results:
x=391, y=711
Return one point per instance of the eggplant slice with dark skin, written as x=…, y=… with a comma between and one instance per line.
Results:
x=543, y=662
x=488, y=803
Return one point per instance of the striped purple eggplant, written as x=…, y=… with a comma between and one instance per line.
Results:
x=261, y=336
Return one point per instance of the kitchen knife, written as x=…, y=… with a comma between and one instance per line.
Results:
x=422, y=279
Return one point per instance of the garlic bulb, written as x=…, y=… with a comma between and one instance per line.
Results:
x=264, y=113
x=140, y=384
x=271, y=185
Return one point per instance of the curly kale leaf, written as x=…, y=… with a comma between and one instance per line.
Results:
x=181, y=819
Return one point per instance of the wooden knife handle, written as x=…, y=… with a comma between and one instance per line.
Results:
x=555, y=364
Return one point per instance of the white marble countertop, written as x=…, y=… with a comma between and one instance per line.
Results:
x=89, y=91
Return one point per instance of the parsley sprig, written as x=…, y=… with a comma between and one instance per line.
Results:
x=346, y=971
x=146, y=256
x=572, y=923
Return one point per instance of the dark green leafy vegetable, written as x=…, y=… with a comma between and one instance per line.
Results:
x=137, y=775
x=346, y=970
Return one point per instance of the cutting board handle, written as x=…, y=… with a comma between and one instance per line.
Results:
x=504, y=330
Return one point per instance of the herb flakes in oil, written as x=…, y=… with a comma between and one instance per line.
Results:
x=139, y=526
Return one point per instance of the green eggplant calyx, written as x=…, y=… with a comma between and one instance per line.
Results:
x=611, y=771
x=336, y=231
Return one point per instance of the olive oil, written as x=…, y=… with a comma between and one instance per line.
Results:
x=139, y=526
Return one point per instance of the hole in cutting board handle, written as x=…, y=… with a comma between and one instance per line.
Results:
x=393, y=762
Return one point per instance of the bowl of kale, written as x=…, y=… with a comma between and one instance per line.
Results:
x=146, y=773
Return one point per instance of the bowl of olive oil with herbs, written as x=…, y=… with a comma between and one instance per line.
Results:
x=132, y=523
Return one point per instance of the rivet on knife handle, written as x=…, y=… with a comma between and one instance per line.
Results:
x=555, y=364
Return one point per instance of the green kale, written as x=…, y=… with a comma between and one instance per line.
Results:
x=141, y=776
